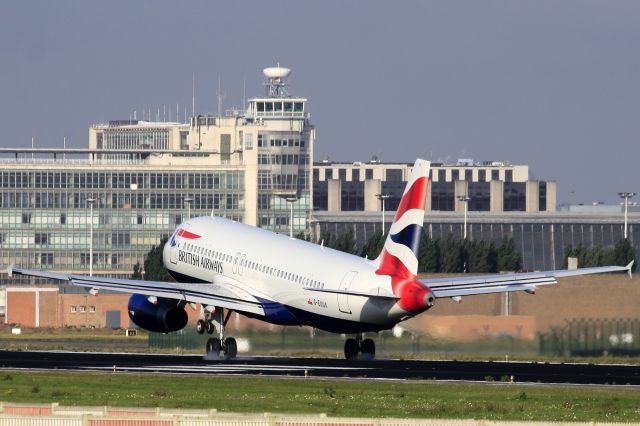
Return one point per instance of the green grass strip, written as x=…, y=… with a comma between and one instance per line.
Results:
x=334, y=397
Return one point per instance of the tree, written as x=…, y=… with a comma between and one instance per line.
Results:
x=303, y=236
x=326, y=239
x=451, y=255
x=429, y=254
x=154, y=269
x=137, y=271
x=373, y=246
x=492, y=257
x=346, y=243
x=478, y=257
x=508, y=259
x=623, y=253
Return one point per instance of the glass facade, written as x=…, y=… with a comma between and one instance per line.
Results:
x=45, y=217
x=284, y=169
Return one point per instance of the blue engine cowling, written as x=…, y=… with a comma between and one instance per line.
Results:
x=164, y=316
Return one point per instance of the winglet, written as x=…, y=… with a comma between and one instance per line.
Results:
x=628, y=268
x=10, y=271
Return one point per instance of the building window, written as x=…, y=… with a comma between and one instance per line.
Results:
x=455, y=175
x=368, y=174
x=355, y=175
x=41, y=238
x=92, y=309
x=442, y=175
x=328, y=174
x=482, y=175
x=248, y=140
x=83, y=308
x=542, y=197
x=468, y=175
x=495, y=175
x=184, y=145
x=74, y=308
x=514, y=196
x=394, y=175
x=508, y=175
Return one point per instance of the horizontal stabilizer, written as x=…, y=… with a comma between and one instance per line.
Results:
x=501, y=283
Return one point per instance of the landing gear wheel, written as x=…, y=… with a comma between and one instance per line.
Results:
x=368, y=349
x=351, y=349
x=200, y=326
x=231, y=348
x=208, y=326
x=214, y=346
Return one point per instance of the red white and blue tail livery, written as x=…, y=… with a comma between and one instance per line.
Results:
x=227, y=266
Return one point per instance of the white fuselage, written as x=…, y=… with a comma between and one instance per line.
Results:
x=285, y=271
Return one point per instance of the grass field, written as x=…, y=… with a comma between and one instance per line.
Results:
x=336, y=398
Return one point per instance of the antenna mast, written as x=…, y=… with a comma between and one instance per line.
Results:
x=220, y=96
x=193, y=96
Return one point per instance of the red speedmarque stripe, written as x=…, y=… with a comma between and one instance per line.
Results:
x=186, y=234
x=415, y=198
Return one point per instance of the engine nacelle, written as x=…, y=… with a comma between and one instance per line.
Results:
x=164, y=316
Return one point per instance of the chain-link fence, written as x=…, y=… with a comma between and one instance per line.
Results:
x=593, y=337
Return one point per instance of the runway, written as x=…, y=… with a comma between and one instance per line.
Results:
x=324, y=368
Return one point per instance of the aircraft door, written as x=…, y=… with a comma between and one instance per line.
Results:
x=345, y=285
x=173, y=255
x=173, y=249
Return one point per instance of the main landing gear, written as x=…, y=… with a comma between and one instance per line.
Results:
x=365, y=348
x=217, y=321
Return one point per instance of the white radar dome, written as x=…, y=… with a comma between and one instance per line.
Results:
x=276, y=72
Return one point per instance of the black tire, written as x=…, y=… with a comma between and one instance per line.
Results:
x=209, y=327
x=214, y=346
x=351, y=349
x=200, y=327
x=368, y=349
x=231, y=348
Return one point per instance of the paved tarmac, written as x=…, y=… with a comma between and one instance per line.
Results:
x=325, y=368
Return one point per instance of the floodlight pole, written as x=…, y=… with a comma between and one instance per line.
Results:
x=382, y=197
x=626, y=196
x=465, y=199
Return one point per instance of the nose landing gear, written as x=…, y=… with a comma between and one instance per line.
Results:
x=366, y=348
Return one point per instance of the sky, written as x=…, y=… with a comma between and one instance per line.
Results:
x=552, y=84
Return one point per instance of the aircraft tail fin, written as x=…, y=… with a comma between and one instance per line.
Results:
x=399, y=257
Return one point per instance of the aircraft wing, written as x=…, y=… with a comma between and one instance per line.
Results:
x=222, y=293
x=485, y=284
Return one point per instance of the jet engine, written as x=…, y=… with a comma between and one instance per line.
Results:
x=161, y=315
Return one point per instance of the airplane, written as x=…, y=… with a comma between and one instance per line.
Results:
x=228, y=267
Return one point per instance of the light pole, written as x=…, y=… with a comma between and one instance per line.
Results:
x=91, y=201
x=291, y=200
x=626, y=196
x=188, y=202
x=382, y=197
x=465, y=199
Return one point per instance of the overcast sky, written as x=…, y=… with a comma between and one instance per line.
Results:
x=552, y=84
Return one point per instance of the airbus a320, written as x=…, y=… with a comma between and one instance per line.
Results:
x=230, y=267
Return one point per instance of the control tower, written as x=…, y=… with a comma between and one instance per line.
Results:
x=278, y=103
